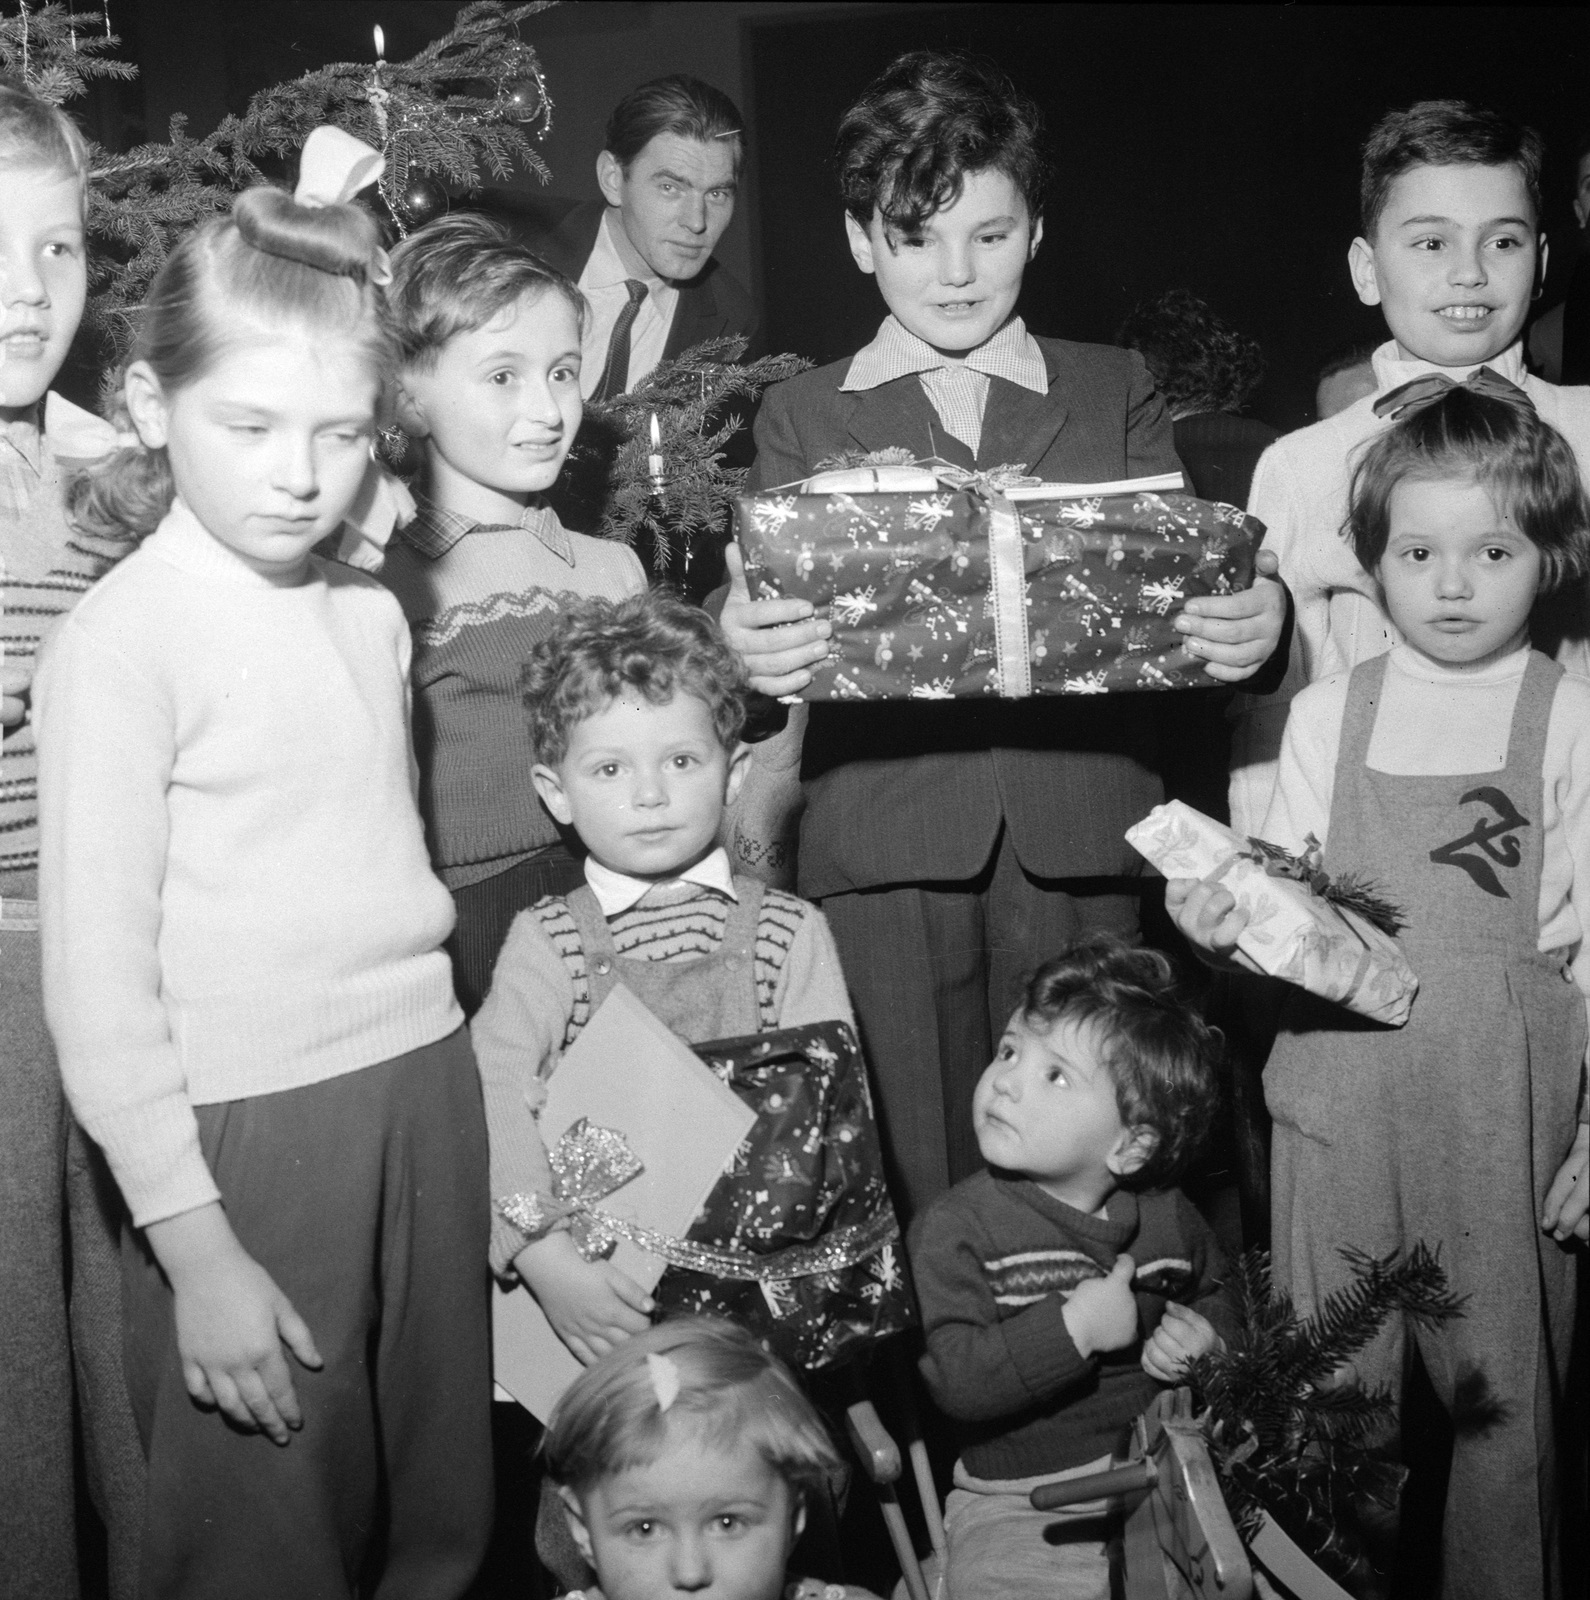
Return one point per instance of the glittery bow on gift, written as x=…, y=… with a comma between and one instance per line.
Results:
x=1427, y=389
x=588, y=1164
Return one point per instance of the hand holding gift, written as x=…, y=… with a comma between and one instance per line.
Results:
x=1280, y=912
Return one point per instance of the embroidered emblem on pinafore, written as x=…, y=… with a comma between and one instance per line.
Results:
x=1495, y=838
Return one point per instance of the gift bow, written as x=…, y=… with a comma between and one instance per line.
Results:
x=332, y=168
x=1425, y=390
x=590, y=1162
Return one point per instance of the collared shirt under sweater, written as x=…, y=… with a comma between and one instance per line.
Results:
x=994, y=1261
x=479, y=597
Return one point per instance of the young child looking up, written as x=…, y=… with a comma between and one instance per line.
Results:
x=947, y=841
x=1452, y=253
x=1454, y=774
x=243, y=957
x=635, y=715
x=1060, y=1285
x=49, y=1177
x=684, y=1459
x=489, y=383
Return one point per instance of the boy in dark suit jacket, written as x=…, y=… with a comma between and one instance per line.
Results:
x=949, y=844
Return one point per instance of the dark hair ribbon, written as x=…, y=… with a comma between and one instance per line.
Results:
x=1431, y=387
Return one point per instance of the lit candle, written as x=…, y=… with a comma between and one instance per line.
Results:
x=380, y=43
x=654, y=462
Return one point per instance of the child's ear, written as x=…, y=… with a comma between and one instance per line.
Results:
x=550, y=787
x=407, y=410
x=860, y=243
x=146, y=404
x=1361, y=267
x=610, y=178
x=739, y=766
x=1036, y=239
x=577, y=1529
x=1131, y=1151
x=1540, y=266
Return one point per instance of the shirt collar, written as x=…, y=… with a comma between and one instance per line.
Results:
x=433, y=531
x=617, y=891
x=895, y=352
x=608, y=265
x=22, y=438
x=1391, y=371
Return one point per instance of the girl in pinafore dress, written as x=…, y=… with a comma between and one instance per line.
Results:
x=1454, y=773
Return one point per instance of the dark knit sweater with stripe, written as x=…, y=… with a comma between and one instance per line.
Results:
x=994, y=1260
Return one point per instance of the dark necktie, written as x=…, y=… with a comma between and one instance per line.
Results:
x=615, y=374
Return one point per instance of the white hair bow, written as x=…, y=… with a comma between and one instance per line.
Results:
x=334, y=166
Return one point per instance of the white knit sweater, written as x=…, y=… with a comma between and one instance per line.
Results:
x=235, y=895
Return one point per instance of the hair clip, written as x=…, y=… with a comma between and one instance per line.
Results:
x=333, y=167
x=664, y=1380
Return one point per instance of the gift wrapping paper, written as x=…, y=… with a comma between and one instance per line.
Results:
x=809, y=1170
x=1292, y=933
x=947, y=593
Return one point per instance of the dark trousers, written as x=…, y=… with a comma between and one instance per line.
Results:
x=935, y=970
x=365, y=1198
x=486, y=911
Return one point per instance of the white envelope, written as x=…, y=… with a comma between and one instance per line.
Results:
x=629, y=1072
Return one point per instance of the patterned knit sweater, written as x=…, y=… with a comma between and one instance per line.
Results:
x=46, y=566
x=478, y=599
x=540, y=1000
x=994, y=1261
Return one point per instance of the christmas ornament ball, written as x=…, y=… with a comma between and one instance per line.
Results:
x=423, y=199
x=523, y=101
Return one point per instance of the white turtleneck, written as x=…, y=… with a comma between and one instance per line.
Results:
x=1433, y=721
x=1300, y=494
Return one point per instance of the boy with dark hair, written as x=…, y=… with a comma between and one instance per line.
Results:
x=488, y=384
x=1452, y=253
x=946, y=841
x=1059, y=1287
x=635, y=711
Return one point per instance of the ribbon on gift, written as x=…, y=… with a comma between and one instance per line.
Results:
x=590, y=1162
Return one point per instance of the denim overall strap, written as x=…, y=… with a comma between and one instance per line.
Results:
x=713, y=997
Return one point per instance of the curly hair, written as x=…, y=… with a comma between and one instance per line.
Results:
x=1162, y=1057
x=731, y=1388
x=1499, y=443
x=1199, y=362
x=905, y=147
x=1444, y=133
x=653, y=644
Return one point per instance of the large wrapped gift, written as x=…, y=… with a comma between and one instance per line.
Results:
x=1293, y=932
x=798, y=1240
x=939, y=592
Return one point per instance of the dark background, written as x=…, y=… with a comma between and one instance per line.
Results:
x=1208, y=146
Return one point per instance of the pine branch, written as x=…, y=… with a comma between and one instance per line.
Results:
x=57, y=52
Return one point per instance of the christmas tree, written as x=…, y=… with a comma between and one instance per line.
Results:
x=1290, y=1439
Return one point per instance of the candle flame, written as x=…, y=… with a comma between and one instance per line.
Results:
x=380, y=42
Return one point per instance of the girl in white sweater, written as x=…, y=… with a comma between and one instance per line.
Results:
x=1455, y=774
x=242, y=949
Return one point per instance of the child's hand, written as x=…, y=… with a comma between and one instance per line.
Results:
x=776, y=639
x=232, y=1322
x=1101, y=1313
x=15, y=681
x=1566, y=1214
x=1208, y=918
x=1236, y=634
x=1182, y=1336
x=591, y=1305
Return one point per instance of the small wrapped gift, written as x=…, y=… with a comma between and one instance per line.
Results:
x=999, y=587
x=1293, y=932
x=798, y=1240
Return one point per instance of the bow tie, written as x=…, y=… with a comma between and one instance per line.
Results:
x=1433, y=386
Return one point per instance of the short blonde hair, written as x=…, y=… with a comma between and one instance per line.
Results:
x=731, y=1388
x=33, y=133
